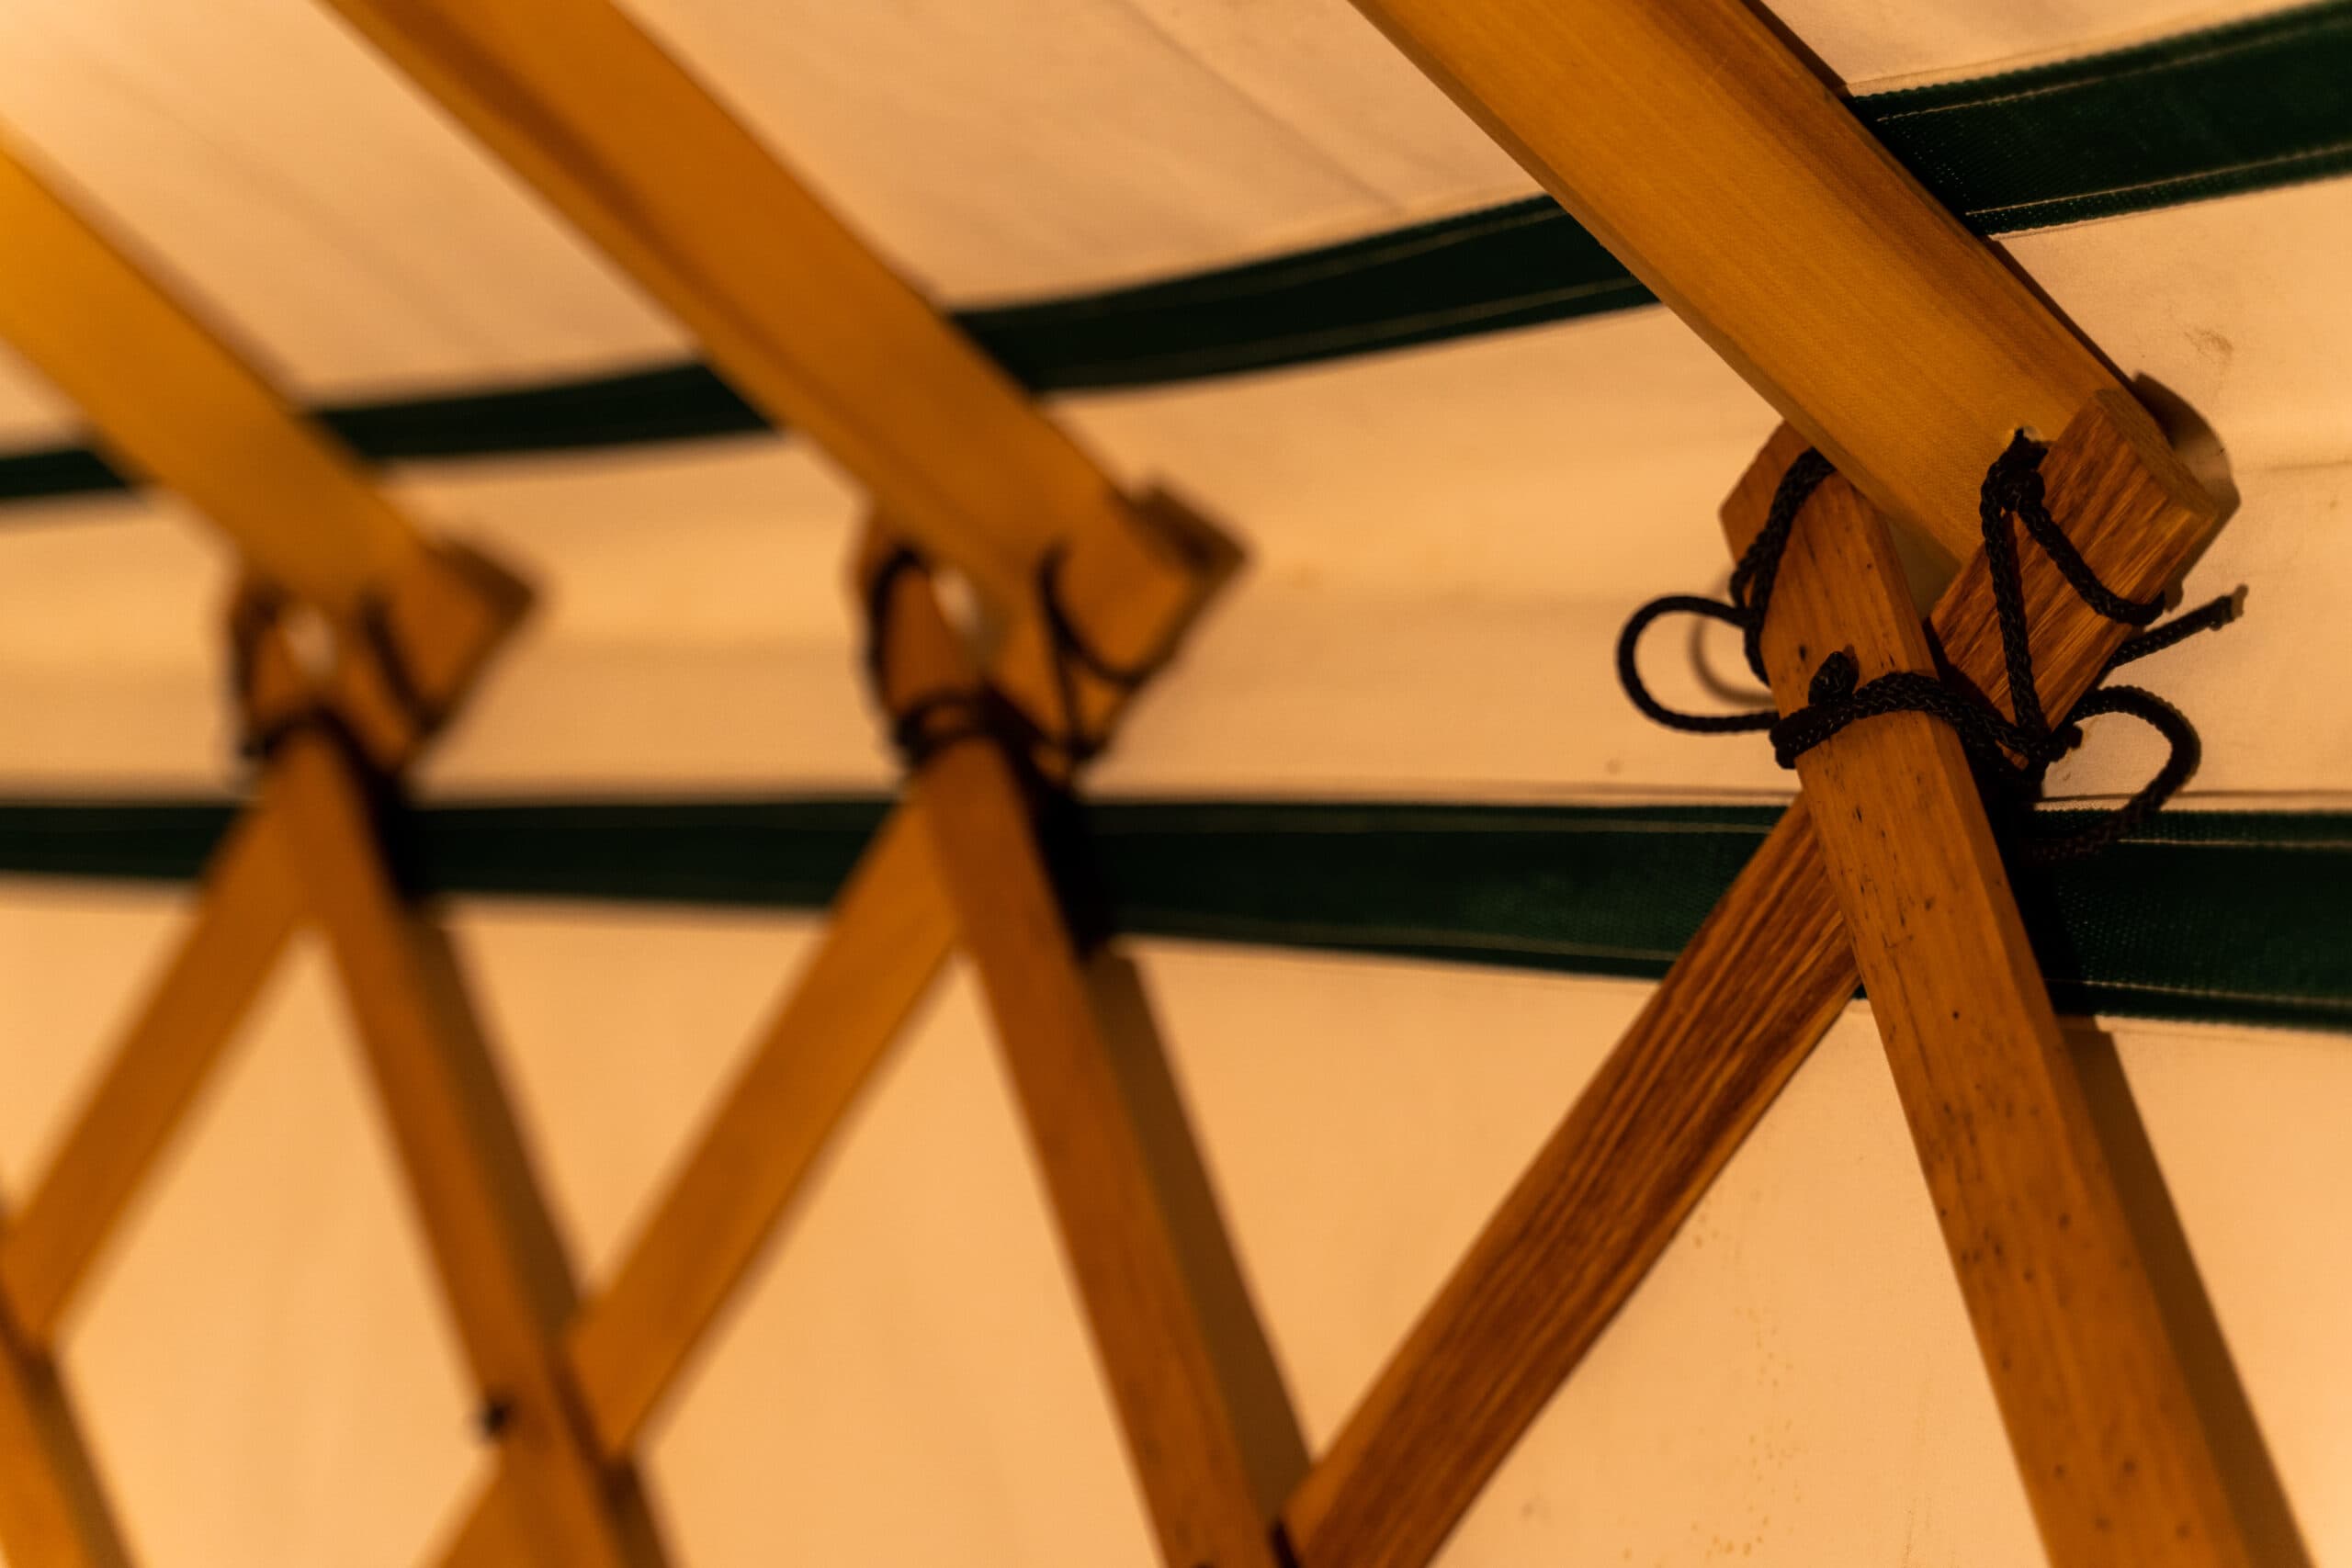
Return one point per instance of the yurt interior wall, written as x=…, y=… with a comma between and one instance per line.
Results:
x=1395, y=859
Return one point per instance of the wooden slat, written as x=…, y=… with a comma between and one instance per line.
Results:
x=1739, y=1010
x=176, y=403
x=173, y=402
x=247, y=909
x=494, y=1250
x=797, y=314
x=2116, y=1465
x=888, y=934
x=1264, y=1423
x=1743, y=1005
x=53, y=1513
x=1715, y=164
x=1149, y=1335
x=891, y=932
x=448, y=610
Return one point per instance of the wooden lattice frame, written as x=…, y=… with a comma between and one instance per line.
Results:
x=1684, y=112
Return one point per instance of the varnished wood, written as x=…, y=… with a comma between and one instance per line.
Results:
x=248, y=908
x=1147, y=1333
x=886, y=937
x=494, y=1250
x=180, y=406
x=444, y=612
x=1739, y=1010
x=791, y=307
x=176, y=403
x=1718, y=167
x=1273, y=1447
x=53, y=1513
x=2116, y=1463
x=890, y=934
x=1745, y=1002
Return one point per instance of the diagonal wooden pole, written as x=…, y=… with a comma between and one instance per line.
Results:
x=1131, y=586
x=1756, y=987
x=799, y=316
x=890, y=933
x=2117, y=1463
x=248, y=908
x=1714, y=161
x=820, y=334
x=175, y=403
x=1708, y=155
x=414, y=624
x=493, y=1246
x=51, y=1501
x=1164, y=1380
x=53, y=1512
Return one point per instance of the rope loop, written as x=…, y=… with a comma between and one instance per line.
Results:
x=256, y=612
x=936, y=721
x=1071, y=653
x=940, y=719
x=2011, y=756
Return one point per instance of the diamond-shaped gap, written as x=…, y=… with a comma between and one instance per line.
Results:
x=1796, y=1380
x=1360, y=1118
x=2246, y=1130
x=262, y=1363
x=617, y=1030
x=76, y=961
x=1363, y=1117
x=908, y=1377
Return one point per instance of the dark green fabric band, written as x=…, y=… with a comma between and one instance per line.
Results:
x=2241, y=917
x=2251, y=105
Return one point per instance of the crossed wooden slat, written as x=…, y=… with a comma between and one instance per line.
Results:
x=1724, y=172
x=1747, y=999
x=2118, y=1464
x=1712, y=161
x=569, y=1389
x=174, y=401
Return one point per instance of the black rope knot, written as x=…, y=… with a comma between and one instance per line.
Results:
x=943, y=718
x=1834, y=680
x=937, y=719
x=1071, y=653
x=2011, y=757
x=255, y=615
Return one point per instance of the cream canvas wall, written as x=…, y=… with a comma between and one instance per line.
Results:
x=1443, y=545
x=266, y=1373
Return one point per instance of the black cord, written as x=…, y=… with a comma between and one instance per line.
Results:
x=401, y=683
x=2013, y=487
x=1071, y=653
x=936, y=721
x=1751, y=592
x=254, y=614
x=943, y=718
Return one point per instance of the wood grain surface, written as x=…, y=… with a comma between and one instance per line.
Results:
x=494, y=1251
x=166, y=395
x=1717, y=165
x=890, y=931
x=2116, y=1461
x=791, y=307
x=1149, y=1338
x=1741, y=1008
x=890, y=934
x=248, y=906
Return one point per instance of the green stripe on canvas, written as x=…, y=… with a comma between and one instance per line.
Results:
x=2239, y=916
x=2248, y=106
